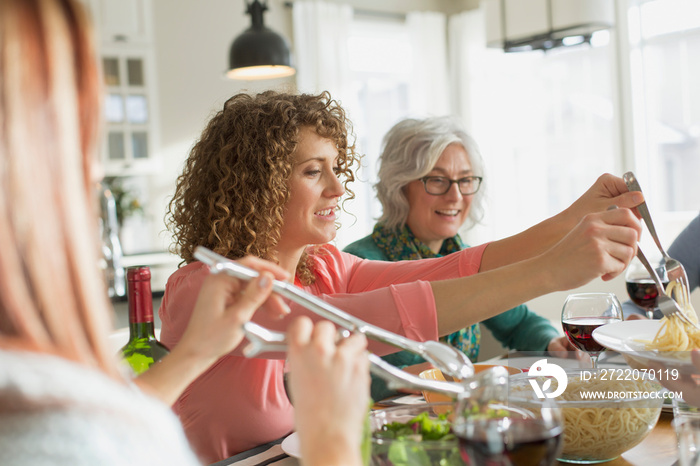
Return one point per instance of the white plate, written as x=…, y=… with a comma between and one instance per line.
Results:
x=409, y=400
x=290, y=445
x=627, y=337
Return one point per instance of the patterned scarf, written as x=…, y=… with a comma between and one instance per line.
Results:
x=403, y=245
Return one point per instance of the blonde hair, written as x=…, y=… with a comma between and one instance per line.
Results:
x=52, y=292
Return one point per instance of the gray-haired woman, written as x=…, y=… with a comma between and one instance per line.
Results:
x=429, y=184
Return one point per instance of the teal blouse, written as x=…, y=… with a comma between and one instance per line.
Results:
x=518, y=328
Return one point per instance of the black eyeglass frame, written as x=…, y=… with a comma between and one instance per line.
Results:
x=478, y=180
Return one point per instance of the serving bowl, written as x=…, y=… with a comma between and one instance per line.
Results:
x=396, y=441
x=604, y=414
x=436, y=374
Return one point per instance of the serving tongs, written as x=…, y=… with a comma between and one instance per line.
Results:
x=262, y=340
x=449, y=360
x=674, y=268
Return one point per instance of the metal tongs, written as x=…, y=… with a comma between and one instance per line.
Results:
x=263, y=340
x=449, y=360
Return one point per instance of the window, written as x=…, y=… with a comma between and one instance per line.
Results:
x=547, y=128
x=549, y=123
x=664, y=46
x=380, y=61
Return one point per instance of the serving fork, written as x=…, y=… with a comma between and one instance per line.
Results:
x=674, y=268
x=448, y=359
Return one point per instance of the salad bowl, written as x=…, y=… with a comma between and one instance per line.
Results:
x=413, y=435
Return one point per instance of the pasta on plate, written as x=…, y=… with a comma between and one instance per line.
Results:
x=674, y=334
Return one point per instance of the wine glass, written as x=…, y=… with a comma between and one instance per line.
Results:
x=503, y=431
x=585, y=312
x=641, y=288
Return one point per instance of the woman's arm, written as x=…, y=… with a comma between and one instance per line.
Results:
x=606, y=191
x=686, y=249
x=521, y=329
x=224, y=304
x=601, y=245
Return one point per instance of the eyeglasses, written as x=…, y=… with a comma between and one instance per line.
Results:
x=439, y=185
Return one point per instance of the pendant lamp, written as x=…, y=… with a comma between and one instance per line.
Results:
x=259, y=52
x=524, y=25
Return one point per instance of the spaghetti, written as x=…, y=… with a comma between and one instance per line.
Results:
x=602, y=429
x=675, y=334
x=612, y=427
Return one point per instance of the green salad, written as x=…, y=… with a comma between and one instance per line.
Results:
x=422, y=441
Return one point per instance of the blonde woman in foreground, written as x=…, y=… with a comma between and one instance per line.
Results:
x=63, y=400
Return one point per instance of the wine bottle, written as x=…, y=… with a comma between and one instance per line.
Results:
x=142, y=349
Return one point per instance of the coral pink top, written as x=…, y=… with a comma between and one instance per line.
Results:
x=240, y=403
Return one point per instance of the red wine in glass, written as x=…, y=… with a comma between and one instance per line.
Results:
x=579, y=330
x=643, y=292
x=583, y=313
x=527, y=442
x=641, y=288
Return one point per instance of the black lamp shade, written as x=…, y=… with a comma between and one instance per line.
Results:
x=259, y=52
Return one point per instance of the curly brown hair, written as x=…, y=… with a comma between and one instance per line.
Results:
x=232, y=193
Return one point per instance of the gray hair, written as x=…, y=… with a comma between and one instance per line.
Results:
x=411, y=149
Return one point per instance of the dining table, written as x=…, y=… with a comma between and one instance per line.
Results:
x=659, y=448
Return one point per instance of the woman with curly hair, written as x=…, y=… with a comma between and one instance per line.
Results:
x=266, y=178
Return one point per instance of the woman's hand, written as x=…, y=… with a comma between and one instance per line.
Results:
x=561, y=347
x=330, y=389
x=223, y=305
x=601, y=245
x=608, y=190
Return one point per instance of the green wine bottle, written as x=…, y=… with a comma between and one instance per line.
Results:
x=142, y=349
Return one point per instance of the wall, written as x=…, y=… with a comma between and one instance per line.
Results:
x=192, y=41
x=191, y=46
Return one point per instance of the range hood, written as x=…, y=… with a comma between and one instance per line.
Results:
x=525, y=25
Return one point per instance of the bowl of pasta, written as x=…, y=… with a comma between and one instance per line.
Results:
x=605, y=413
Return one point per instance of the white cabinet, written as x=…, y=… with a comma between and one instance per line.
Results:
x=127, y=21
x=124, y=31
x=128, y=111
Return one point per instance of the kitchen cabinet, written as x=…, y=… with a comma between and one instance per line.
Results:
x=129, y=111
x=123, y=21
x=125, y=39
